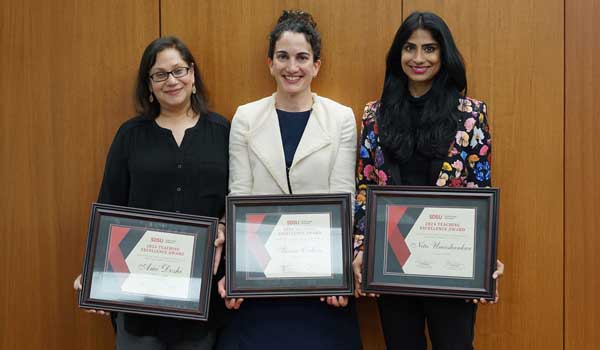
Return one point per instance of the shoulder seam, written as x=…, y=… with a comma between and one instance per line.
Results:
x=217, y=119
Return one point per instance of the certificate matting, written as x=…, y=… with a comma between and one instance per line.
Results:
x=431, y=241
x=296, y=245
x=142, y=264
x=423, y=241
x=148, y=262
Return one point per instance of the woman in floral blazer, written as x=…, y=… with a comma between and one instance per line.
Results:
x=467, y=163
x=423, y=131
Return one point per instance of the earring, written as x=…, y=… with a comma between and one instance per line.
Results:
x=194, y=89
x=151, y=98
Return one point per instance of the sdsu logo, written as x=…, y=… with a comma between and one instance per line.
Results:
x=156, y=240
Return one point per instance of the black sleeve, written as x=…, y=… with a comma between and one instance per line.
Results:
x=223, y=122
x=115, y=183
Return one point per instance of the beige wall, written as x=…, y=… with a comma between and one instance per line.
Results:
x=67, y=80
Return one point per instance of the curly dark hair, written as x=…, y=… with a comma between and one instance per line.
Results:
x=438, y=124
x=296, y=21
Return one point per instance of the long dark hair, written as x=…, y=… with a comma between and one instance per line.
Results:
x=296, y=21
x=149, y=109
x=438, y=123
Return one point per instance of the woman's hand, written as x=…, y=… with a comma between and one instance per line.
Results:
x=357, y=268
x=77, y=283
x=496, y=275
x=219, y=242
x=230, y=303
x=77, y=286
x=336, y=301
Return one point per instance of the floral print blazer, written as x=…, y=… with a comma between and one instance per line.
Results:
x=467, y=163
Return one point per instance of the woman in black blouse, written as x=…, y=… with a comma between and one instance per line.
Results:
x=172, y=157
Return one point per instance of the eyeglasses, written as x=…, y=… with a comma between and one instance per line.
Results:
x=179, y=72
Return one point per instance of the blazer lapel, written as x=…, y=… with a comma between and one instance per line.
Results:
x=315, y=134
x=452, y=167
x=265, y=141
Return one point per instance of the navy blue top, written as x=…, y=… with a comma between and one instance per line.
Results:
x=292, y=125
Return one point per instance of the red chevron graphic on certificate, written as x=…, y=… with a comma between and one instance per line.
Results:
x=430, y=241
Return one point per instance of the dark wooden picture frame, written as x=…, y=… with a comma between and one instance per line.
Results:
x=387, y=254
x=115, y=232
x=247, y=276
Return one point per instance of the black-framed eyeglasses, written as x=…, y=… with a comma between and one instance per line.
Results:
x=178, y=72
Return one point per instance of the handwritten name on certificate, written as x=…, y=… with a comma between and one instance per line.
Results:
x=441, y=243
x=160, y=265
x=300, y=246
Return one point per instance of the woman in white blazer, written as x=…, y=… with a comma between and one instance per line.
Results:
x=323, y=162
x=292, y=142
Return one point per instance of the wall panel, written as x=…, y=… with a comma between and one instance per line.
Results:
x=230, y=40
x=67, y=81
x=582, y=182
x=513, y=50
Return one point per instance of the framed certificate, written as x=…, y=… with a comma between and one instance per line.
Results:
x=288, y=245
x=431, y=241
x=148, y=262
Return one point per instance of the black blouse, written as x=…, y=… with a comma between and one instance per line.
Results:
x=420, y=169
x=146, y=169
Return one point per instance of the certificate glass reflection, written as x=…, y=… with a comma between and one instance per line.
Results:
x=436, y=241
x=431, y=241
x=288, y=247
x=148, y=262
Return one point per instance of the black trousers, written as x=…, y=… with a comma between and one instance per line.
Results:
x=450, y=322
x=136, y=332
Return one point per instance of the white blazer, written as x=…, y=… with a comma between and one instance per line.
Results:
x=323, y=163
